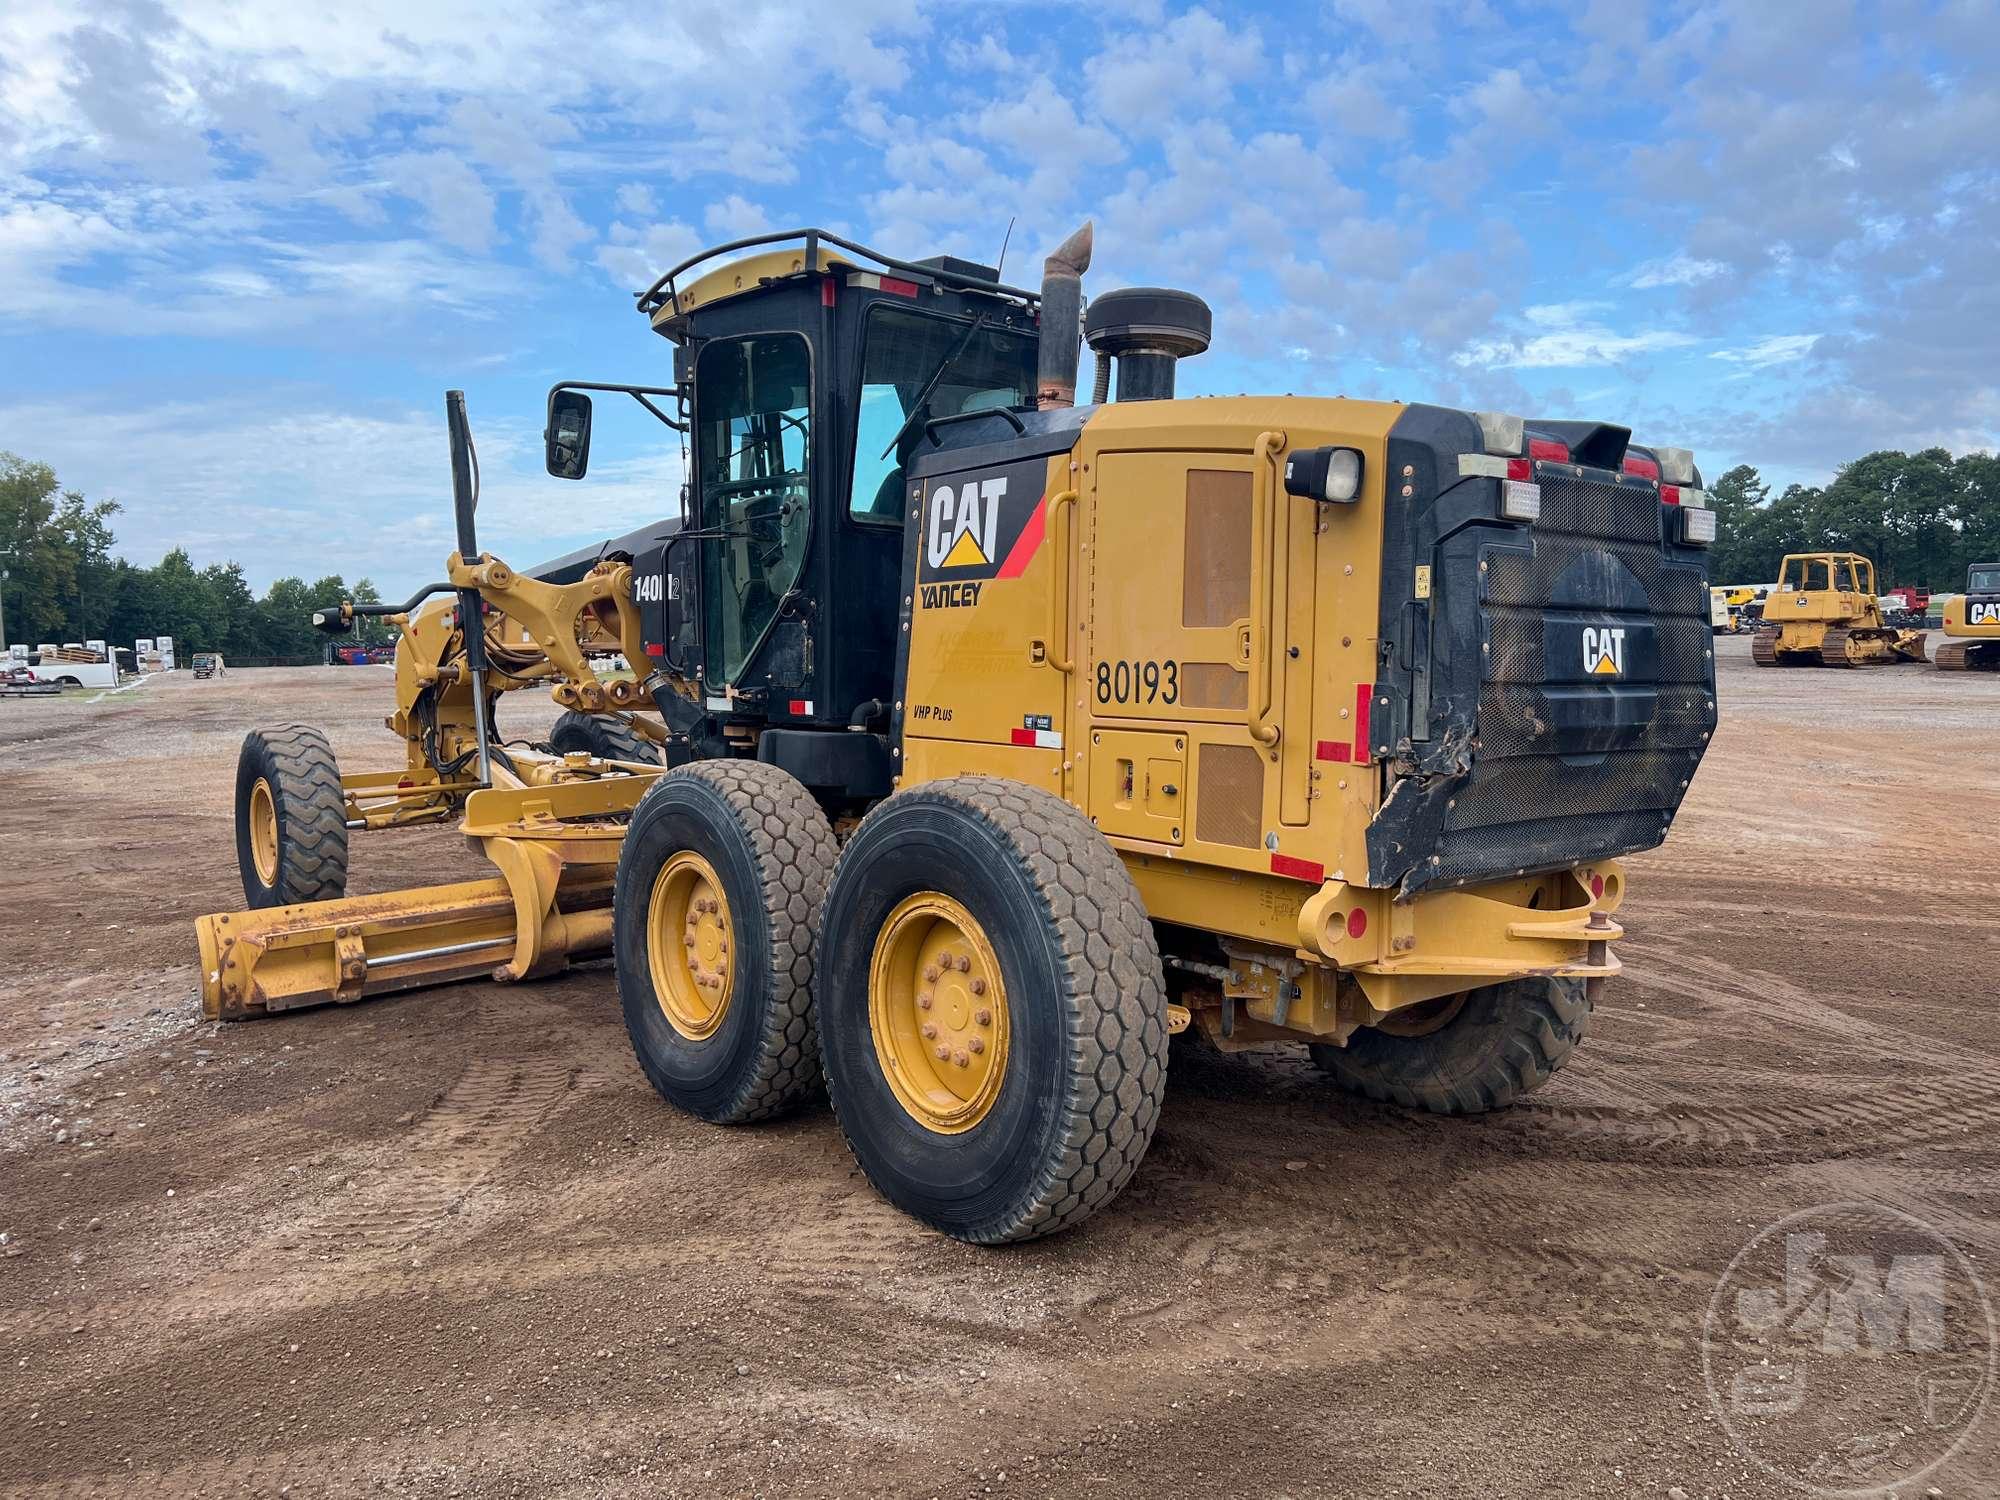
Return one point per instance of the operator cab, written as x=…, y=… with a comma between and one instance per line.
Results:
x=805, y=378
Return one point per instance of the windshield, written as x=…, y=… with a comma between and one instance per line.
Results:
x=752, y=403
x=1984, y=581
x=901, y=354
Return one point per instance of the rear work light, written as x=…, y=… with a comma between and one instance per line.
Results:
x=1329, y=474
x=1520, y=502
x=1697, y=525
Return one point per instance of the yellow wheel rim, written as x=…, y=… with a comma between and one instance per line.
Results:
x=937, y=1009
x=264, y=831
x=688, y=945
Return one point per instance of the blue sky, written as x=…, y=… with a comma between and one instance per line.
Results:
x=245, y=247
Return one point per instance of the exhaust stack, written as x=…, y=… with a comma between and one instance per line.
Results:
x=1062, y=320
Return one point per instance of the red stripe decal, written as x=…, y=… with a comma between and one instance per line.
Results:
x=826, y=292
x=1670, y=494
x=1364, y=700
x=1298, y=869
x=655, y=648
x=1332, y=750
x=1022, y=737
x=1027, y=544
x=800, y=707
x=899, y=286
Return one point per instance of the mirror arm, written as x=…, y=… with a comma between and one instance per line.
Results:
x=638, y=393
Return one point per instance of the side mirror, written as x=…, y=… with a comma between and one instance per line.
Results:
x=567, y=437
x=338, y=620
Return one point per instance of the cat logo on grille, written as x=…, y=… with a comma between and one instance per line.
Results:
x=1604, y=651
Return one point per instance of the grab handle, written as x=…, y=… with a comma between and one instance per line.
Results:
x=1263, y=541
x=1059, y=585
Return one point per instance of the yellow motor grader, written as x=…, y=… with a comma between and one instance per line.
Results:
x=1825, y=613
x=979, y=740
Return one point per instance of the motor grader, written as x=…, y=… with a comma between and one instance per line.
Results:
x=1972, y=624
x=979, y=740
x=1825, y=613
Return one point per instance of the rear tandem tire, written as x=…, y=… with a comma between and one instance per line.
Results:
x=744, y=842
x=291, y=818
x=1060, y=1063
x=1505, y=1041
x=606, y=736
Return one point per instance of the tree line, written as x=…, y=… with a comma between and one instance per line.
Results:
x=63, y=584
x=1923, y=517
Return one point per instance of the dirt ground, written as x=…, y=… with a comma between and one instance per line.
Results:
x=452, y=1244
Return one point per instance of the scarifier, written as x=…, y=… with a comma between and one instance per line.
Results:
x=978, y=741
x=1972, y=624
x=1825, y=613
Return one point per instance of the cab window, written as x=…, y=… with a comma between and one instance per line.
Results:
x=903, y=352
x=752, y=402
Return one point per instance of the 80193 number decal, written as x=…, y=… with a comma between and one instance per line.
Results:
x=1138, y=682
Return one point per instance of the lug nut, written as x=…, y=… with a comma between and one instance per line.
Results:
x=962, y=963
x=943, y=1052
x=976, y=1045
x=931, y=974
x=924, y=1000
x=984, y=1017
x=978, y=986
x=929, y=1030
x=944, y=960
x=961, y=1059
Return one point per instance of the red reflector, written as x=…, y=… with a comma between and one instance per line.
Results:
x=1022, y=736
x=1357, y=923
x=898, y=286
x=1597, y=885
x=655, y=648
x=1521, y=469
x=1298, y=869
x=1364, y=697
x=1548, y=448
x=1332, y=750
x=1642, y=468
x=800, y=707
x=1670, y=494
x=826, y=292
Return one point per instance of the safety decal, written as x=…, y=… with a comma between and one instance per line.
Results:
x=1038, y=731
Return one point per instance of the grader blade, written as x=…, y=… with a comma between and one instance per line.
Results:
x=286, y=957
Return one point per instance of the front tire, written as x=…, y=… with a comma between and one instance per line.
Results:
x=720, y=882
x=1488, y=1048
x=992, y=1010
x=291, y=818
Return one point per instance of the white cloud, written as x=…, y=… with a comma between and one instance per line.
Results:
x=1673, y=270
x=1777, y=349
x=1565, y=335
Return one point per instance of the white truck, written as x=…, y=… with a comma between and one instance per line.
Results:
x=50, y=666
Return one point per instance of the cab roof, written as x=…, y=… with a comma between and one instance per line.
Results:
x=789, y=253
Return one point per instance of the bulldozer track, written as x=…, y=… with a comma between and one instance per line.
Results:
x=1833, y=648
x=1764, y=648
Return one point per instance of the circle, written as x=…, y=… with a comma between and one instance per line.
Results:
x=264, y=831
x=1357, y=923
x=1849, y=1350
x=689, y=940
x=937, y=1011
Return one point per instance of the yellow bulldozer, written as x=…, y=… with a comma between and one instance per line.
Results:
x=1972, y=624
x=979, y=740
x=1824, y=613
